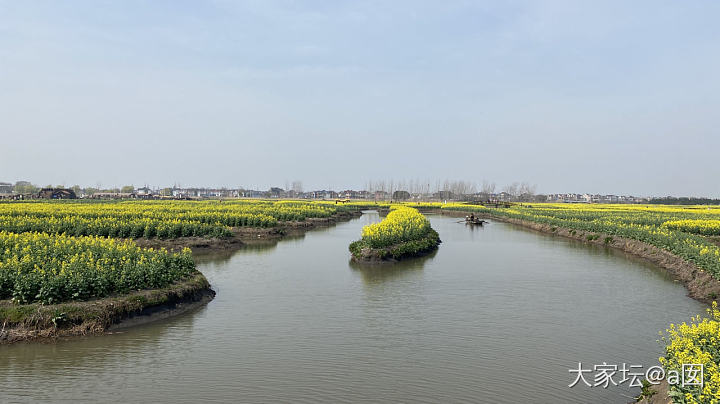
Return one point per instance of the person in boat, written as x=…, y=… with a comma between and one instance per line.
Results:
x=471, y=218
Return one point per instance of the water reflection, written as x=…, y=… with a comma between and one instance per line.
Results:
x=493, y=309
x=260, y=246
x=84, y=363
x=378, y=273
x=213, y=257
x=474, y=230
x=600, y=251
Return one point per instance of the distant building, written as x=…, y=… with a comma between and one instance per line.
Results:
x=351, y=194
x=57, y=193
x=444, y=195
x=275, y=192
x=251, y=193
x=323, y=194
x=113, y=195
x=6, y=187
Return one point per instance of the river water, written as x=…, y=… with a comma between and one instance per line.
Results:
x=497, y=315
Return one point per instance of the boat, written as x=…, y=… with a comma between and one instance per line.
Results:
x=475, y=220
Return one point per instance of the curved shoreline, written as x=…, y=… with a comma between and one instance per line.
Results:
x=32, y=322
x=243, y=235
x=380, y=256
x=406, y=228
x=700, y=284
x=35, y=322
x=394, y=253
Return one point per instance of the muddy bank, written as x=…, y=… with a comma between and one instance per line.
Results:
x=659, y=394
x=49, y=322
x=363, y=253
x=376, y=256
x=242, y=235
x=193, y=243
x=701, y=285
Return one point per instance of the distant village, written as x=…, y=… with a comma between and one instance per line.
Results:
x=26, y=190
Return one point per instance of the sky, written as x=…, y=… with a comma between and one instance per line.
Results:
x=610, y=97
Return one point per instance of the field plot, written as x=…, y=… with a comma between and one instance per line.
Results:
x=153, y=219
x=43, y=268
x=73, y=267
x=64, y=250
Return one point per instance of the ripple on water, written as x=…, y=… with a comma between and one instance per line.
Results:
x=496, y=315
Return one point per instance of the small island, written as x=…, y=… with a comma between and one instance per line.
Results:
x=404, y=233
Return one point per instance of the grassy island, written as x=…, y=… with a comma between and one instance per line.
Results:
x=404, y=233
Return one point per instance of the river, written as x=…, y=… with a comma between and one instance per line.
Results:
x=498, y=314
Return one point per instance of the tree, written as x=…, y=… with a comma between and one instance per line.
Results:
x=526, y=192
x=512, y=189
x=487, y=187
x=24, y=187
x=128, y=189
x=401, y=195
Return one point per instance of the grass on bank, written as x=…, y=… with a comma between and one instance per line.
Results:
x=403, y=233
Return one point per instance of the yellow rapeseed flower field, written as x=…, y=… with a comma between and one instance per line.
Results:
x=695, y=343
x=401, y=224
x=52, y=251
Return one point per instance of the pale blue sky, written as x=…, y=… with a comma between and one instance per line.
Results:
x=603, y=97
